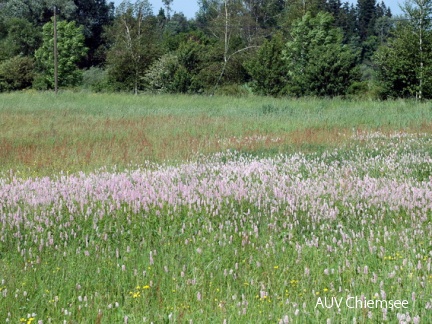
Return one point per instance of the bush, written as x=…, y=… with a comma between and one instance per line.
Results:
x=16, y=73
x=95, y=79
x=235, y=90
x=40, y=82
x=163, y=75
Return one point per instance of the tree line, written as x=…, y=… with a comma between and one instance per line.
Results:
x=268, y=47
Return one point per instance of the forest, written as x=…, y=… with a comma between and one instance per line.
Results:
x=293, y=48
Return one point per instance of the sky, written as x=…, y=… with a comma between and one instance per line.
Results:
x=190, y=7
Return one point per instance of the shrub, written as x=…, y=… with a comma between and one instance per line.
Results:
x=16, y=73
x=95, y=79
x=161, y=76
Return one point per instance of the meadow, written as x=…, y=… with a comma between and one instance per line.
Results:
x=189, y=209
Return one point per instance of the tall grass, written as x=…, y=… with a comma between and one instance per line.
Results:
x=43, y=133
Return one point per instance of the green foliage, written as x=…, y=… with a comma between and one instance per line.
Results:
x=38, y=12
x=185, y=69
x=16, y=73
x=404, y=64
x=233, y=90
x=230, y=43
x=94, y=16
x=95, y=79
x=296, y=9
x=396, y=65
x=359, y=89
x=318, y=62
x=165, y=76
x=135, y=45
x=268, y=69
x=21, y=37
x=370, y=28
x=71, y=49
x=177, y=24
x=366, y=18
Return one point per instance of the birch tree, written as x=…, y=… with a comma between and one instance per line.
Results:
x=236, y=32
x=419, y=13
x=134, y=45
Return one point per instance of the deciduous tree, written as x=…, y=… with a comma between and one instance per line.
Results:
x=94, y=16
x=404, y=62
x=268, y=69
x=70, y=50
x=419, y=13
x=134, y=45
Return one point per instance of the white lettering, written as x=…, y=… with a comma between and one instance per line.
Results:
x=319, y=302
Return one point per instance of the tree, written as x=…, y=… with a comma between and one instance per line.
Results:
x=135, y=45
x=404, y=62
x=185, y=69
x=369, y=17
x=296, y=9
x=419, y=13
x=318, y=62
x=265, y=13
x=21, y=38
x=345, y=17
x=160, y=75
x=268, y=69
x=94, y=16
x=208, y=10
x=38, y=12
x=168, y=4
x=235, y=32
x=366, y=18
x=70, y=50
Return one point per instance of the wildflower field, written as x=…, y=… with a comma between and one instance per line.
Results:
x=251, y=228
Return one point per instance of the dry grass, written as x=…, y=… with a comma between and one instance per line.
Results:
x=39, y=140
x=82, y=144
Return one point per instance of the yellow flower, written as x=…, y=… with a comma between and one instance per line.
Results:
x=146, y=287
x=276, y=267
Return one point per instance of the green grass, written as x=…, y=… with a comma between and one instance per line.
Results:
x=42, y=133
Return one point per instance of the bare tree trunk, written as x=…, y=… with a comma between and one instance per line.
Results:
x=421, y=54
x=226, y=46
x=55, y=52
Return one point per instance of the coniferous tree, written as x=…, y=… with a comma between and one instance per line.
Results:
x=366, y=18
x=318, y=62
